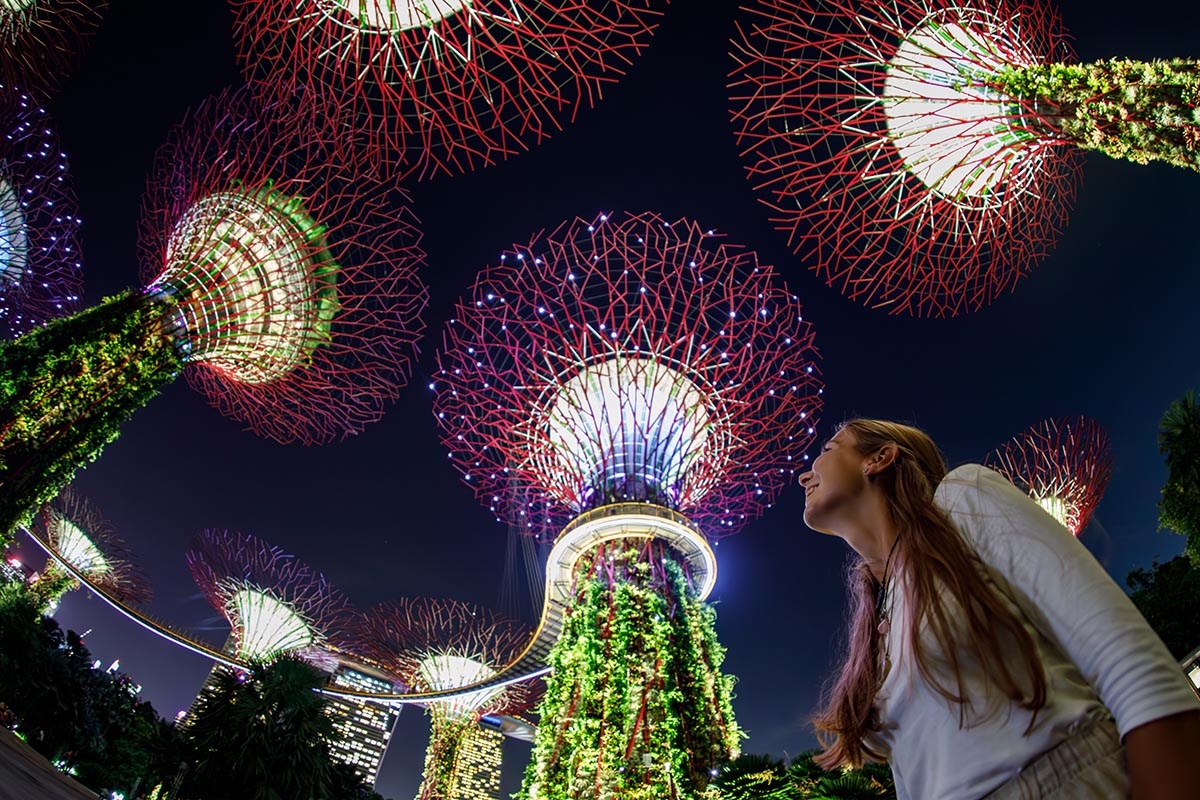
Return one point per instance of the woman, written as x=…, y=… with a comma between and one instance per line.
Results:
x=989, y=654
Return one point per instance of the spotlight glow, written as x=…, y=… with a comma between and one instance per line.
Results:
x=78, y=550
x=1056, y=507
x=954, y=133
x=14, y=242
x=268, y=625
x=255, y=284
x=627, y=425
x=442, y=671
x=393, y=16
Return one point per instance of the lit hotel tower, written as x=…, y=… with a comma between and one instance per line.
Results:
x=636, y=388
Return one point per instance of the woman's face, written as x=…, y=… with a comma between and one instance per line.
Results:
x=834, y=483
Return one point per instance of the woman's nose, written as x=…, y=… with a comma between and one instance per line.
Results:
x=805, y=477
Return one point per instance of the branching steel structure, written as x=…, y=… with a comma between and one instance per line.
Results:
x=280, y=278
x=922, y=153
x=635, y=377
x=40, y=39
x=73, y=530
x=274, y=602
x=1064, y=463
x=40, y=275
x=449, y=85
x=434, y=645
x=906, y=182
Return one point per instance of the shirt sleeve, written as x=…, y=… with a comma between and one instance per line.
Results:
x=1068, y=596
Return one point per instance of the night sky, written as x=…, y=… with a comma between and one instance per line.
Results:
x=1106, y=327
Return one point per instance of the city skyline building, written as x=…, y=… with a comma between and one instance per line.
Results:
x=363, y=727
x=481, y=762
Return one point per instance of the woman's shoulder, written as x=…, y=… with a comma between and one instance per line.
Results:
x=981, y=501
x=971, y=482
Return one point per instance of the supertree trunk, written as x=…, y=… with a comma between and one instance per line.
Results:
x=66, y=388
x=636, y=707
x=1137, y=110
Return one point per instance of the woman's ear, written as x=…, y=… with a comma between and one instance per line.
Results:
x=883, y=458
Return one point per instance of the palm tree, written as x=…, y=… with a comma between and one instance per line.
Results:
x=262, y=735
x=754, y=777
x=1179, y=441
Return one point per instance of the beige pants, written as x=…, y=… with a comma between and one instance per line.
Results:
x=1090, y=765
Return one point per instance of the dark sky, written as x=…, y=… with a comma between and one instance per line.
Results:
x=1105, y=327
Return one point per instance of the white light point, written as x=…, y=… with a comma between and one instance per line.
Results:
x=442, y=672
x=401, y=15
x=78, y=550
x=1056, y=507
x=14, y=242
x=269, y=627
x=627, y=422
x=954, y=133
x=245, y=268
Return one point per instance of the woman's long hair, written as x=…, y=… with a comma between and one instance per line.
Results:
x=944, y=591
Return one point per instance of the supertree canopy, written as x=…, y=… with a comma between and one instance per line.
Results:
x=435, y=645
x=636, y=377
x=924, y=152
x=1064, y=463
x=444, y=86
x=40, y=39
x=40, y=274
x=274, y=603
x=278, y=275
x=74, y=532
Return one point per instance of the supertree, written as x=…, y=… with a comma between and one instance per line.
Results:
x=445, y=86
x=40, y=274
x=40, y=39
x=275, y=604
x=1064, y=463
x=76, y=534
x=638, y=380
x=434, y=645
x=924, y=153
x=281, y=277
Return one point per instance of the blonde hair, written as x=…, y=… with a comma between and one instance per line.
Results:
x=940, y=572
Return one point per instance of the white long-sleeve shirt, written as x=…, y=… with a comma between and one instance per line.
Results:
x=1097, y=650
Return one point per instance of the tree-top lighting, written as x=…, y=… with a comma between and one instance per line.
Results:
x=435, y=645
x=274, y=603
x=40, y=276
x=1064, y=463
x=445, y=86
x=74, y=532
x=635, y=386
x=280, y=278
x=923, y=154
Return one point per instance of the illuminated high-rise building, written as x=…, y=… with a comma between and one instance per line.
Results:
x=479, y=762
x=362, y=727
